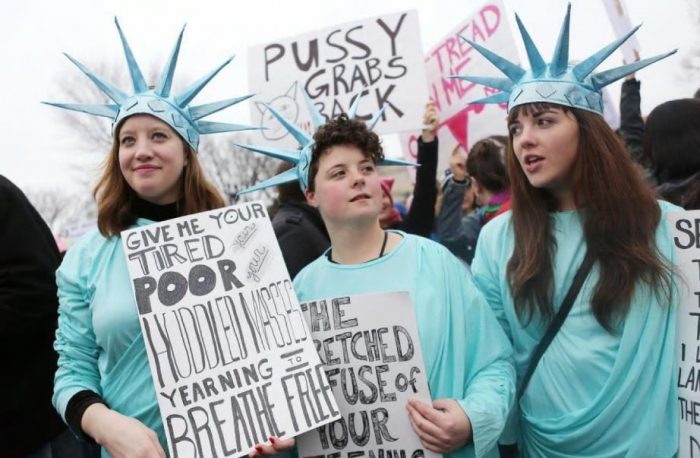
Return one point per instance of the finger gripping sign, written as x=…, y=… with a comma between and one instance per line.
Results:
x=686, y=240
x=231, y=356
x=370, y=350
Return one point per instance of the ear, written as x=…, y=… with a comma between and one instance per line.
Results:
x=311, y=198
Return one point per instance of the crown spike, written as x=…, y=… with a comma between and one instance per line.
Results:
x=105, y=111
x=502, y=84
x=201, y=111
x=512, y=71
x=373, y=122
x=316, y=116
x=111, y=91
x=352, y=112
x=137, y=80
x=191, y=92
x=501, y=97
x=302, y=137
x=289, y=156
x=560, y=59
x=287, y=176
x=166, y=79
x=533, y=55
x=210, y=127
x=396, y=162
x=602, y=79
x=584, y=68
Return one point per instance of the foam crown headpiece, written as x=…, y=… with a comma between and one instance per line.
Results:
x=558, y=81
x=301, y=158
x=159, y=101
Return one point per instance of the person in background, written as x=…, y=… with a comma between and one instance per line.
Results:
x=584, y=255
x=300, y=231
x=29, y=257
x=672, y=150
x=421, y=214
x=484, y=173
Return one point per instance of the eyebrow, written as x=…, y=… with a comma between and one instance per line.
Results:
x=542, y=112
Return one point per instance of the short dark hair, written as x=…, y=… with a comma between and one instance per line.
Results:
x=486, y=162
x=343, y=131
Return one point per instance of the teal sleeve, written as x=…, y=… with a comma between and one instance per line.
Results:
x=75, y=340
x=490, y=375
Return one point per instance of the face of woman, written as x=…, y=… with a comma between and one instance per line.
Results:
x=346, y=186
x=545, y=142
x=151, y=158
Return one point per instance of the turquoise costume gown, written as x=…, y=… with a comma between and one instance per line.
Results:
x=593, y=394
x=466, y=354
x=99, y=340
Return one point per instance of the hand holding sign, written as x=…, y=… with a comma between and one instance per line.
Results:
x=274, y=446
x=431, y=119
x=442, y=427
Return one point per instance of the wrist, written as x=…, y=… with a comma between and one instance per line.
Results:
x=427, y=136
x=93, y=416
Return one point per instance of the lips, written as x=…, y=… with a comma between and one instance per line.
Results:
x=143, y=169
x=532, y=162
x=360, y=197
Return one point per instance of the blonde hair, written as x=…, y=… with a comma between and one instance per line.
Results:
x=114, y=195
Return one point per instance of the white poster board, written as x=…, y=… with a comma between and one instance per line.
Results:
x=383, y=55
x=686, y=239
x=461, y=124
x=621, y=24
x=372, y=355
x=231, y=356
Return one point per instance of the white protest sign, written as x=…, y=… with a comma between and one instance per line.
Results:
x=621, y=24
x=686, y=240
x=462, y=124
x=374, y=364
x=383, y=55
x=231, y=356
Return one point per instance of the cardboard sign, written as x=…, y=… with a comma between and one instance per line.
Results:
x=231, y=356
x=461, y=124
x=686, y=241
x=621, y=24
x=383, y=55
x=372, y=356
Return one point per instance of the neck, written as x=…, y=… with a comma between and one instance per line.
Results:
x=565, y=200
x=355, y=244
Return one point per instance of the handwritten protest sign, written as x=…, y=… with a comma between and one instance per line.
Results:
x=231, y=356
x=461, y=124
x=381, y=54
x=621, y=24
x=372, y=356
x=686, y=240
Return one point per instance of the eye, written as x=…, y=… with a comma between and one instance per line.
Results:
x=545, y=121
x=514, y=129
x=368, y=168
x=127, y=140
x=159, y=136
x=338, y=173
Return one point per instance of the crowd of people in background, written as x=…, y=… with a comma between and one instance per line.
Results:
x=554, y=204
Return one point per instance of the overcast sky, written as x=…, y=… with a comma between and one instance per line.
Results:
x=37, y=150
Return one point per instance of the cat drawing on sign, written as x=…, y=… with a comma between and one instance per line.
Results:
x=287, y=105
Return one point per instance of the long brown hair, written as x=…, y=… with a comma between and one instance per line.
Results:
x=620, y=216
x=114, y=195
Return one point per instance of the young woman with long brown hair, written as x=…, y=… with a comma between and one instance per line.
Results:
x=103, y=386
x=604, y=386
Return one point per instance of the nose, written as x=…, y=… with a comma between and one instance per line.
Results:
x=358, y=179
x=143, y=150
x=526, y=138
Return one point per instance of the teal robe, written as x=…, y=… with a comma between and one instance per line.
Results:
x=99, y=342
x=593, y=394
x=466, y=354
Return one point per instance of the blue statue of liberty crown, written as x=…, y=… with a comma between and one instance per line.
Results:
x=301, y=158
x=159, y=101
x=558, y=81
